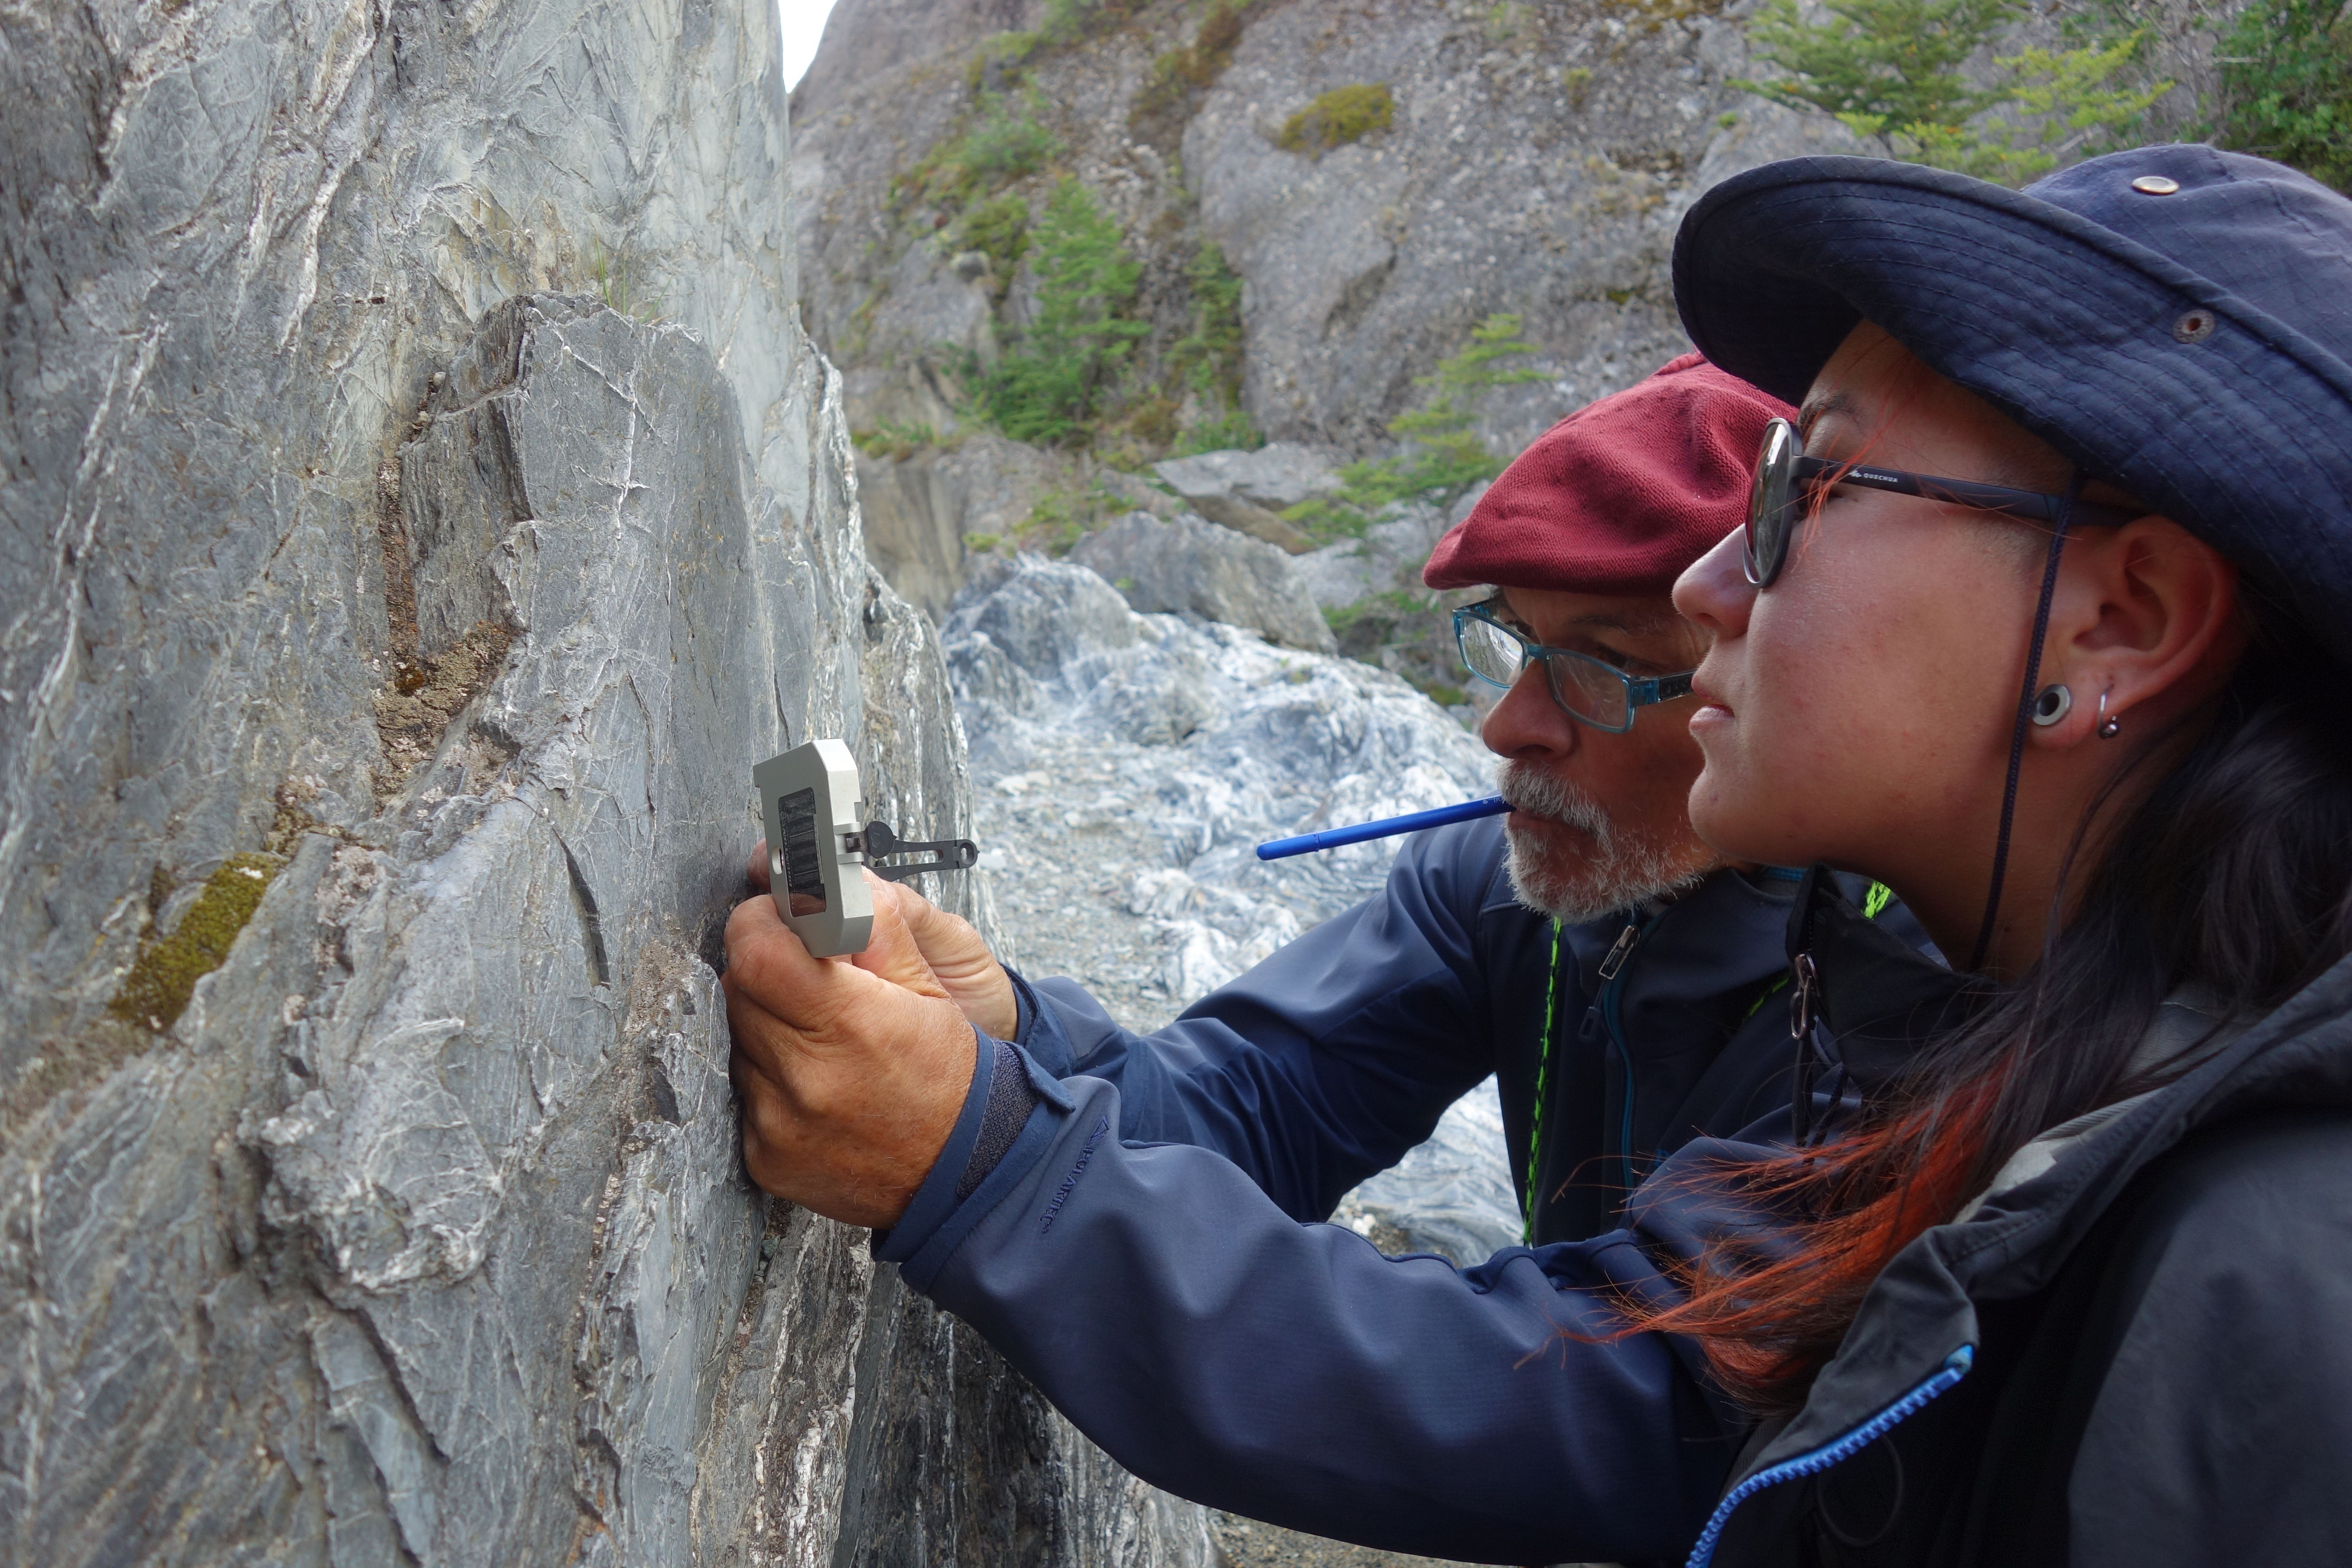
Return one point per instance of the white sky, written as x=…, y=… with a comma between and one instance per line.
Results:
x=804, y=23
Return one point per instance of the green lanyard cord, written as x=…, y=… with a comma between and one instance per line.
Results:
x=1875, y=900
x=1543, y=1086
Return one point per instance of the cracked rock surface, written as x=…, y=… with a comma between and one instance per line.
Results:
x=418, y=510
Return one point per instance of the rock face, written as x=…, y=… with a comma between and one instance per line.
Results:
x=1189, y=567
x=1536, y=159
x=1127, y=765
x=1247, y=491
x=420, y=509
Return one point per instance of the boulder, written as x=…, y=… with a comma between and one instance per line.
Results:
x=1185, y=566
x=923, y=507
x=1247, y=491
x=937, y=507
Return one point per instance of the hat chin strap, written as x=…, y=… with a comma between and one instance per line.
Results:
x=2024, y=717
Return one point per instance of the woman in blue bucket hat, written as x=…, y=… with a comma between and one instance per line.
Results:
x=2039, y=619
x=2042, y=617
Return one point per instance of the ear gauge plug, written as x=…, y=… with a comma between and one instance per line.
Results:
x=2054, y=704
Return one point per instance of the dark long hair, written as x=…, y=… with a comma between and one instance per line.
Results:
x=2235, y=871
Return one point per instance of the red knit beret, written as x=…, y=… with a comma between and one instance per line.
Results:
x=1623, y=494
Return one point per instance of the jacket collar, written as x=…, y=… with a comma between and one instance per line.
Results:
x=1878, y=995
x=1923, y=1306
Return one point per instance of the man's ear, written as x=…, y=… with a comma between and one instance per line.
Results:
x=2146, y=616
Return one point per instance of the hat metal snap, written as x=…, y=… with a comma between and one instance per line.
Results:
x=2155, y=185
x=2194, y=327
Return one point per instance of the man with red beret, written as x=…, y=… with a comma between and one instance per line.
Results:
x=1043, y=1173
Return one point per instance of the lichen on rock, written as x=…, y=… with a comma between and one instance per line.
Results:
x=157, y=989
x=378, y=1201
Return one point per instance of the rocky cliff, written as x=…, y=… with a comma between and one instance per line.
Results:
x=1330, y=195
x=420, y=509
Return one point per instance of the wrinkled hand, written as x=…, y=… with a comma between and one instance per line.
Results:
x=956, y=956
x=852, y=1070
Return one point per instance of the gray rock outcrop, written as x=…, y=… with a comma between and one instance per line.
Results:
x=419, y=508
x=1247, y=491
x=1126, y=766
x=1188, y=567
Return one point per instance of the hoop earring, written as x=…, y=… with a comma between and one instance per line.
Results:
x=2110, y=725
x=2054, y=704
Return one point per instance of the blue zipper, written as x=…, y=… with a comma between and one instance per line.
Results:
x=1612, y=991
x=1837, y=1451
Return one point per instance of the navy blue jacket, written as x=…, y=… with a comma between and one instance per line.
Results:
x=2134, y=1357
x=1137, y=1251
x=1326, y=1063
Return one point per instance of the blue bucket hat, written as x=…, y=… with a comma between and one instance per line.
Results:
x=2175, y=320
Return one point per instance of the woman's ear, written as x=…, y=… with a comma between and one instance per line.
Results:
x=2146, y=616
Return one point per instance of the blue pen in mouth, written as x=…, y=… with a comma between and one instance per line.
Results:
x=1387, y=826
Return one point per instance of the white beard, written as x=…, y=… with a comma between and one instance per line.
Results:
x=1618, y=871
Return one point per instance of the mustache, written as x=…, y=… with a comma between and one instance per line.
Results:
x=1538, y=793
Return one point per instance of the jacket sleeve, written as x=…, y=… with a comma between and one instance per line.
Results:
x=2223, y=1432
x=1221, y=1350
x=1324, y=1064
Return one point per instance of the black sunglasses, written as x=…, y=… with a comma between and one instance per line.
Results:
x=1786, y=477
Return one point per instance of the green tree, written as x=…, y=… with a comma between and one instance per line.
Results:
x=2286, y=86
x=1879, y=63
x=1209, y=358
x=1890, y=70
x=1048, y=388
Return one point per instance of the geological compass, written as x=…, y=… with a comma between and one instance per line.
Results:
x=811, y=801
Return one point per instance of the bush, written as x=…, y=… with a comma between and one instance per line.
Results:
x=1209, y=357
x=1450, y=456
x=1000, y=55
x=1342, y=115
x=1890, y=70
x=1048, y=388
x=1180, y=78
x=1233, y=433
x=1004, y=144
x=889, y=440
x=2286, y=86
x=998, y=229
x=1071, y=22
x=1061, y=518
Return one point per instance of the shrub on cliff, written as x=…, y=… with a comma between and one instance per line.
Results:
x=1049, y=387
x=1342, y=115
x=1209, y=358
x=1003, y=143
x=1180, y=78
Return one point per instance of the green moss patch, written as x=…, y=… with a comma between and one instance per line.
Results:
x=157, y=989
x=1342, y=115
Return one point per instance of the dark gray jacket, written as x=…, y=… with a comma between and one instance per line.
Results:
x=2139, y=1356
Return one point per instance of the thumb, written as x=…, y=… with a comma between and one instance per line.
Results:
x=891, y=951
x=949, y=943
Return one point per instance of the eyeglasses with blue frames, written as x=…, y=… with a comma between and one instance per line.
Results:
x=1587, y=689
x=1786, y=480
